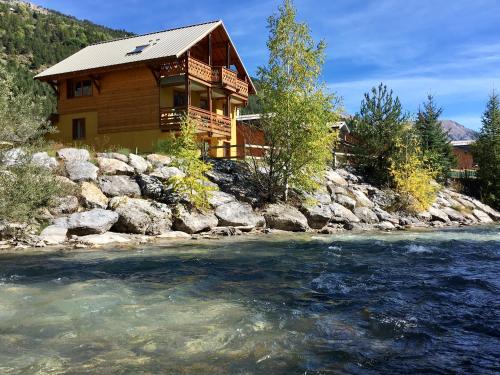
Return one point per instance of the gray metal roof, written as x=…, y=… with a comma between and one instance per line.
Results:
x=168, y=43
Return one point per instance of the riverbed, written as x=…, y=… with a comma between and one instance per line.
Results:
x=375, y=303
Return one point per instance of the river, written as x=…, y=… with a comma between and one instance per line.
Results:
x=396, y=303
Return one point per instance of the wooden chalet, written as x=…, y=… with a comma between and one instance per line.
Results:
x=131, y=92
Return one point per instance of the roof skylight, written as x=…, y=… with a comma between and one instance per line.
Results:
x=138, y=49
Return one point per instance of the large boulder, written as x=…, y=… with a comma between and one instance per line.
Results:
x=141, y=216
x=113, y=155
x=64, y=205
x=385, y=216
x=114, y=166
x=73, y=154
x=317, y=215
x=13, y=157
x=43, y=159
x=92, y=197
x=345, y=201
x=366, y=215
x=238, y=214
x=454, y=215
x=137, y=162
x=166, y=173
x=114, y=186
x=218, y=198
x=361, y=198
x=482, y=216
x=192, y=221
x=438, y=215
x=340, y=214
x=158, y=160
x=490, y=211
x=320, y=196
x=285, y=217
x=335, y=178
x=89, y=222
x=79, y=170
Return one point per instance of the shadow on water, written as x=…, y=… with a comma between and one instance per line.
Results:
x=374, y=303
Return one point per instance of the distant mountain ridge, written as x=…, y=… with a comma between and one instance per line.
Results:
x=458, y=132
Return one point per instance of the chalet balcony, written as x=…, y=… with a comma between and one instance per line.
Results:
x=213, y=75
x=210, y=123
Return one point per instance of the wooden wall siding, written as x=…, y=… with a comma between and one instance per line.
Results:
x=128, y=100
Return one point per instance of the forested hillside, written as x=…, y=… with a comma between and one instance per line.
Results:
x=32, y=38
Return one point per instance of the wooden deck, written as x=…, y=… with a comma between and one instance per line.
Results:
x=208, y=122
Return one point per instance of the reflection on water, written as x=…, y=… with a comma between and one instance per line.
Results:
x=354, y=304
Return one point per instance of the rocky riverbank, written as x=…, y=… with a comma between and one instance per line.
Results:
x=126, y=199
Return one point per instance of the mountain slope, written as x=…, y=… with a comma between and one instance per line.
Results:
x=458, y=132
x=33, y=38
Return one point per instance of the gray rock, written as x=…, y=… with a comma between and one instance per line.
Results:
x=238, y=214
x=225, y=231
x=158, y=160
x=361, y=198
x=15, y=156
x=95, y=221
x=437, y=214
x=340, y=214
x=482, y=216
x=78, y=170
x=218, y=198
x=191, y=221
x=345, y=201
x=43, y=159
x=360, y=226
x=490, y=211
x=335, y=178
x=92, y=197
x=103, y=239
x=114, y=166
x=335, y=189
x=285, y=217
x=347, y=175
x=386, y=225
x=174, y=234
x=73, y=154
x=141, y=216
x=454, y=215
x=366, y=215
x=113, y=155
x=385, y=216
x=320, y=196
x=66, y=183
x=137, y=162
x=54, y=235
x=166, y=173
x=114, y=186
x=424, y=216
x=64, y=205
x=317, y=215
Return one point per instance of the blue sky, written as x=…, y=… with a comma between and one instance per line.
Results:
x=450, y=48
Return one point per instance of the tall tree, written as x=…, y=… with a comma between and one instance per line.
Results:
x=434, y=141
x=376, y=127
x=486, y=153
x=296, y=109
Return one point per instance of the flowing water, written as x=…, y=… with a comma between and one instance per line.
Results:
x=399, y=303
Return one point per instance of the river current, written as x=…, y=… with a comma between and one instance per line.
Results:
x=396, y=303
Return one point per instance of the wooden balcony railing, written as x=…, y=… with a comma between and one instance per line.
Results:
x=218, y=125
x=198, y=69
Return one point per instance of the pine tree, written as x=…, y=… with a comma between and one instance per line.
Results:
x=434, y=141
x=486, y=153
x=297, y=110
x=376, y=127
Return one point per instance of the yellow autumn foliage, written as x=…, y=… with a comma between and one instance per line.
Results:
x=412, y=177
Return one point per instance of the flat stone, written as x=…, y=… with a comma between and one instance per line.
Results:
x=385, y=216
x=54, y=235
x=454, y=215
x=114, y=186
x=103, y=239
x=73, y=154
x=238, y=214
x=137, y=162
x=285, y=217
x=95, y=221
x=92, y=197
x=78, y=170
x=175, y=234
x=386, y=225
x=158, y=160
x=114, y=166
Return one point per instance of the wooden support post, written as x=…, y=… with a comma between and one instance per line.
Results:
x=228, y=55
x=210, y=49
x=187, y=82
x=228, y=105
